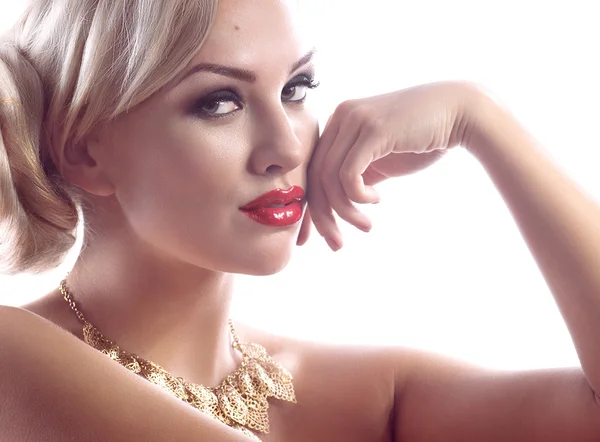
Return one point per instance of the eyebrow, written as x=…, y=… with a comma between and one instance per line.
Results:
x=241, y=74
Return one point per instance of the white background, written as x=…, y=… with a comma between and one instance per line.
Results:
x=444, y=268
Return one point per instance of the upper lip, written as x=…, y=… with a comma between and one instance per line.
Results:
x=276, y=196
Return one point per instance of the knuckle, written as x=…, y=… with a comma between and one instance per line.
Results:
x=346, y=175
x=367, y=118
x=345, y=107
x=363, y=111
x=372, y=124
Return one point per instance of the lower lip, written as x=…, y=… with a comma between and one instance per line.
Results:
x=277, y=216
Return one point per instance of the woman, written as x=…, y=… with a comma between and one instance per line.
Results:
x=180, y=130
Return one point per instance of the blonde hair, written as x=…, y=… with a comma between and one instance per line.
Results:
x=65, y=68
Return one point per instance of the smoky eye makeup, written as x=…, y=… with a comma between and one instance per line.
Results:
x=227, y=101
x=298, y=88
x=217, y=104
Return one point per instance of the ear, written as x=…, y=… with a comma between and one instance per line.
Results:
x=82, y=166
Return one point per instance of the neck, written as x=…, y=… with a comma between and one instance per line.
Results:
x=173, y=314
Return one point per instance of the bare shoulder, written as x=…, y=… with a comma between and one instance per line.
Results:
x=404, y=394
x=21, y=327
x=17, y=321
x=384, y=367
x=53, y=387
x=28, y=342
x=306, y=357
x=344, y=392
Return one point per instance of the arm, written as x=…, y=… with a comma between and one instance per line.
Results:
x=53, y=388
x=559, y=223
x=440, y=400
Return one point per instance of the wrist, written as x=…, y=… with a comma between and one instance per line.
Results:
x=487, y=122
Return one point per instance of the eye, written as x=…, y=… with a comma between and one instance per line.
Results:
x=220, y=107
x=218, y=104
x=297, y=89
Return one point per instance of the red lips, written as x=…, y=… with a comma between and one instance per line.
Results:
x=277, y=208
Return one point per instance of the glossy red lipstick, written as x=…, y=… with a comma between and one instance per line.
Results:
x=277, y=208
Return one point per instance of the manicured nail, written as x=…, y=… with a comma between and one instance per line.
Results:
x=333, y=244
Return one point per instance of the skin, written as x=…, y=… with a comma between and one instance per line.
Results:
x=157, y=270
x=166, y=264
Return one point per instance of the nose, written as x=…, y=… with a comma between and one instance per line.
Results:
x=277, y=146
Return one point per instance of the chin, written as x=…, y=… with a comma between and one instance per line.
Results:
x=264, y=262
x=266, y=268
x=258, y=256
x=265, y=271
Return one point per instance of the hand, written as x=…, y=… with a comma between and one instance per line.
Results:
x=370, y=140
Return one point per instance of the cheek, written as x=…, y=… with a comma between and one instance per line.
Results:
x=180, y=173
x=308, y=133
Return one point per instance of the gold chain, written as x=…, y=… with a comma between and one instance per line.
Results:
x=69, y=298
x=240, y=401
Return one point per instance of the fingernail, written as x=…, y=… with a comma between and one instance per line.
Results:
x=332, y=244
x=365, y=229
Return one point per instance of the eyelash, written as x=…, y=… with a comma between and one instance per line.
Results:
x=226, y=95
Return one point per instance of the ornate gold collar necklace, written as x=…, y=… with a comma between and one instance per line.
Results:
x=240, y=401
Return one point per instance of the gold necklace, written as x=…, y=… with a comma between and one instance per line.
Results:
x=240, y=401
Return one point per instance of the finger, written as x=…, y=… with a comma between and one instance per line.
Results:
x=320, y=209
x=328, y=122
x=304, y=233
x=330, y=178
x=371, y=176
x=355, y=165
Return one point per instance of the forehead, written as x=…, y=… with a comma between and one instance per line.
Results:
x=255, y=33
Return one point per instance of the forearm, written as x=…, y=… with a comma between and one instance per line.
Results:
x=559, y=223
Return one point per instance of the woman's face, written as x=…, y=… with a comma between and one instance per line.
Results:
x=233, y=127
